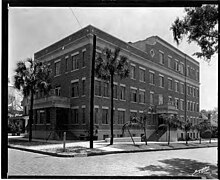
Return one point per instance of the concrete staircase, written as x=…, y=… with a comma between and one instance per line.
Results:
x=157, y=134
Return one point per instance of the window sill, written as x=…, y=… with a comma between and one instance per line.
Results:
x=134, y=102
x=105, y=97
x=74, y=70
x=83, y=95
x=74, y=97
x=152, y=84
x=57, y=75
x=98, y=96
x=123, y=100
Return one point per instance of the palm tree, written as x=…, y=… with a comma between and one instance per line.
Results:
x=108, y=65
x=187, y=125
x=30, y=76
x=134, y=122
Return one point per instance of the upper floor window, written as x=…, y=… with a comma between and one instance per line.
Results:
x=57, y=68
x=105, y=89
x=66, y=63
x=98, y=88
x=151, y=98
x=75, y=89
x=75, y=62
x=188, y=71
x=169, y=62
x=177, y=103
x=152, y=80
x=176, y=86
x=170, y=84
x=142, y=75
x=122, y=92
x=121, y=117
x=96, y=120
x=161, y=81
x=176, y=65
x=75, y=116
x=160, y=99
x=132, y=72
x=181, y=68
x=141, y=96
x=161, y=57
x=83, y=86
x=83, y=115
x=84, y=58
x=115, y=92
x=133, y=95
x=181, y=88
x=104, y=116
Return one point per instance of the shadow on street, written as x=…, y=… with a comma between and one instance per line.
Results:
x=179, y=167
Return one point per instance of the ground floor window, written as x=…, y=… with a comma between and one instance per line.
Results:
x=104, y=116
x=75, y=116
x=105, y=136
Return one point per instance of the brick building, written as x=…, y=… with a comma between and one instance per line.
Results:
x=158, y=75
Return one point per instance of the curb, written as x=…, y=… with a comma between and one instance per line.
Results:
x=102, y=153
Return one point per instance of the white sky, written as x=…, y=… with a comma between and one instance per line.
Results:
x=32, y=29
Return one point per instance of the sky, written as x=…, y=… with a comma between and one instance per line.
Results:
x=32, y=29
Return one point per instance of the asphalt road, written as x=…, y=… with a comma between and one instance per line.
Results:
x=162, y=163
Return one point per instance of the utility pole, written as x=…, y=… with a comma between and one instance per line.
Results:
x=185, y=113
x=92, y=90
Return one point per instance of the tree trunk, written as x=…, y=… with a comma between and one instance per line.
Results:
x=131, y=136
x=186, y=137
x=145, y=132
x=112, y=89
x=31, y=116
x=200, y=139
x=169, y=135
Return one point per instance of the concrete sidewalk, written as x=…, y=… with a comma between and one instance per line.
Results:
x=82, y=148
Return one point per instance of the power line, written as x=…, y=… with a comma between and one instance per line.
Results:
x=75, y=17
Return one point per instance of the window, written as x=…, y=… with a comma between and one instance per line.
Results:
x=188, y=90
x=197, y=75
x=122, y=93
x=181, y=88
x=57, y=91
x=151, y=98
x=141, y=96
x=197, y=104
x=134, y=95
x=105, y=89
x=176, y=66
x=188, y=71
x=169, y=62
x=42, y=116
x=193, y=106
x=83, y=87
x=181, y=68
x=83, y=58
x=170, y=84
x=47, y=116
x=75, y=62
x=83, y=115
x=161, y=81
x=161, y=57
x=75, y=89
x=96, y=116
x=177, y=103
x=176, y=86
x=152, y=81
x=170, y=100
x=181, y=105
x=142, y=75
x=104, y=116
x=197, y=92
x=132, y=72
x=98, y=88
x=57, y=68
x=115, y=91
x=160, y=99
x=121, y=117
x=66, y=63
x=188, y=106
x=194, y=92
x=75, y=116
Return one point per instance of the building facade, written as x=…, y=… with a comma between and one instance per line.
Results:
x=161, y=77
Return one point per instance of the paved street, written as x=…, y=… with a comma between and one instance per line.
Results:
x=175, y=162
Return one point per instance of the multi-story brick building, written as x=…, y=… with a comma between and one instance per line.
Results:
x=160, y=75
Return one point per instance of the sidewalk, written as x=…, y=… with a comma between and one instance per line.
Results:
x=82, y=148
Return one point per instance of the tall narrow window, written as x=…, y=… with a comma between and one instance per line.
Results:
x=161, y=57
x=152, y=81
x=122, y=93
x=160, y=99
x=132, y=72
x=57, y=90
x=170, y=84
x=83, y=115
x=141, y=96
x=75, y=89
x=98, y=88
x=105, y=89
x=169, y=62
x=104, y=116
x=176, y=65
x=181, y=88
x=121, y=117
x=176, y=86
x=75, y=62
x=75, y=116
x=142, y=75
x=134, y=95
x=66, y=63
x=96, y=116
x=83, y=58
x=151, y=98
x=161, y=81
x=83, y=87
x=115, y=92
x=57, y=68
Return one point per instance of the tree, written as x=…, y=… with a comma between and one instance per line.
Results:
x=186, y=126
x=108, y=65
x=200, y=25
x=31, y=76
